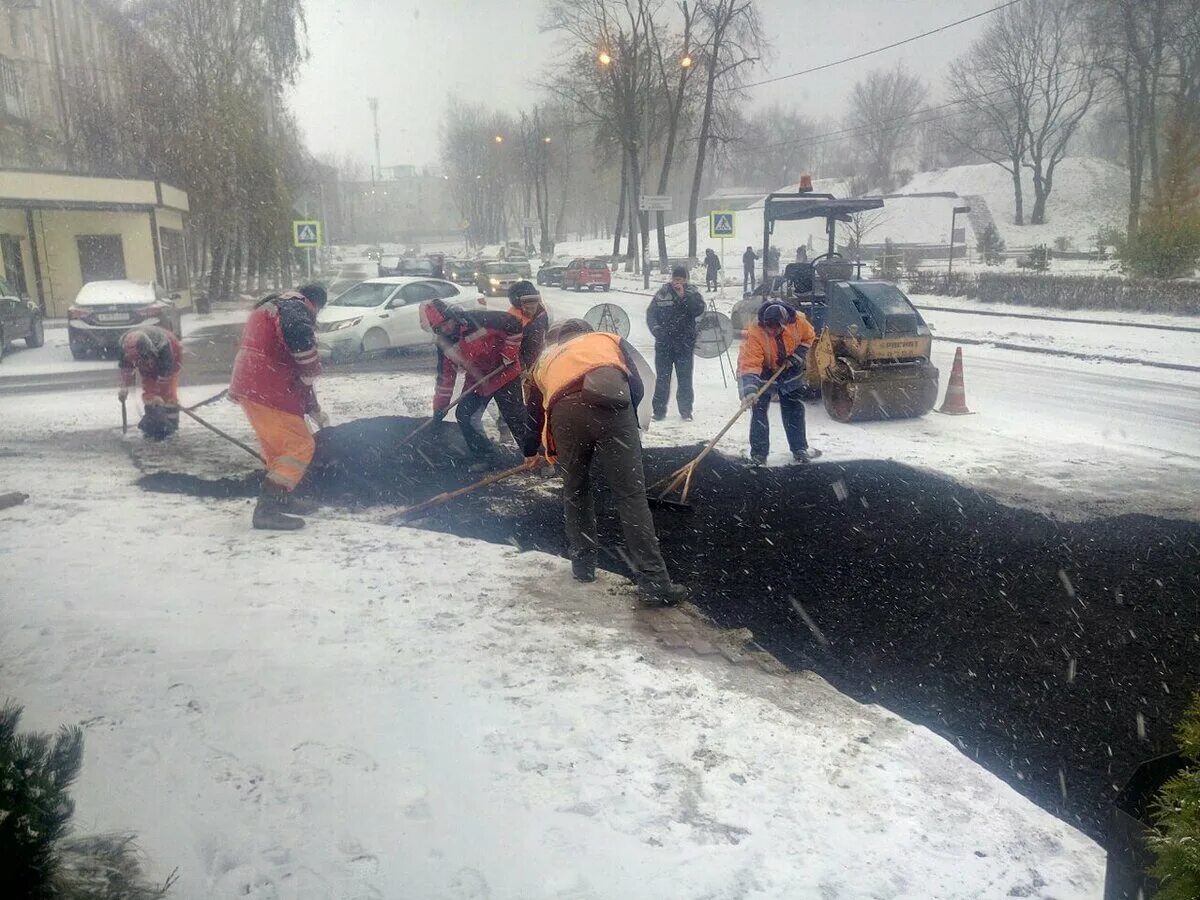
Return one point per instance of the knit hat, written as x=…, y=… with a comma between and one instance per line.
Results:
x=679, y=272
x=776, y=313
x=315, y=294
x=522, y=291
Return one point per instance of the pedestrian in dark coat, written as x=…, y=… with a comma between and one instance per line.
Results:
x=748, y=260
x=712, y=265
x=671, y=317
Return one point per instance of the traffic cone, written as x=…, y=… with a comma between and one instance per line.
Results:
x=955, y=403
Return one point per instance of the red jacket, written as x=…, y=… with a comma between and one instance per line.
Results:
x=277, y=361
x=150, y=350
x=486, y=341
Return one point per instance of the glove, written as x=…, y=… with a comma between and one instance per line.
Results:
x=798, y=358
x=749, y=385
x=533, y=462
x=319, y=416
x=122, y=393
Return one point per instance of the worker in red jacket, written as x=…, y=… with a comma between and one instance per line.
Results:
x=781, y=338
x=273, y=376
x=486, y=347
x=156, y=355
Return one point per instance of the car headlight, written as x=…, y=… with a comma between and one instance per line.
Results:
x=494, y=282
x=344, y=324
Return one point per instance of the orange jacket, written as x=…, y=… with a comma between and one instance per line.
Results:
x=758, y=355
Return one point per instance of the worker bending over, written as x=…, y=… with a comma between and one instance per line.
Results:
x=581, y=400
x=273, y=376
x=156, y=355
x=486, y=347
x=781, y=337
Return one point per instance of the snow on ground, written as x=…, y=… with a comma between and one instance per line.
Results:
x=362, y=711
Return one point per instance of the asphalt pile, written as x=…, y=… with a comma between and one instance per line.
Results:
x=1058, y=655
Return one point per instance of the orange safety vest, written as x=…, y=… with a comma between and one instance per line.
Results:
x=758, y=353
x=563, y=365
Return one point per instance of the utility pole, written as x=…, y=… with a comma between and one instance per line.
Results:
x=373, y=102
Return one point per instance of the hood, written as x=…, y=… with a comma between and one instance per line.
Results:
x=341, y=313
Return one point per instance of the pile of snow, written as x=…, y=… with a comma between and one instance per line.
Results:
x=1088, y=194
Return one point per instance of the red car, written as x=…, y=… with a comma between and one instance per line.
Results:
x=587, y=273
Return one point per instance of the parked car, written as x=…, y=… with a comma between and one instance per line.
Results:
x=551, y=272
x=20, y=319
x=380, y=314
x=104, y=310
x=411, y=266
x=461, y=271
x=347, y=275
x=587, y=273
x=521, y=261
x=496, y=277
x=374, y=253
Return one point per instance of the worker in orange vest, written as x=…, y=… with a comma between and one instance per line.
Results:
x=581, y=401
x=781, y=337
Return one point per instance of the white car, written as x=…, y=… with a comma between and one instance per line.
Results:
x=382, y=313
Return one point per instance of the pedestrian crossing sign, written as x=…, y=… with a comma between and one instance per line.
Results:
x=306, y=233
x=721, y=224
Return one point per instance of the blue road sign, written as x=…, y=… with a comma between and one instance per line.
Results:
x=721, y=224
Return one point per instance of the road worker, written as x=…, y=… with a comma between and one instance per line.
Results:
x=273, y=376
x=581, y=400
x=671, y=318
x=781, y=336
x=486, y=347
x=156, y=355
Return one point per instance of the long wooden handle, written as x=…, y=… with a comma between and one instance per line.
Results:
x=410, y=511
x=218, y=431
x=124, y=417
x=412, y=434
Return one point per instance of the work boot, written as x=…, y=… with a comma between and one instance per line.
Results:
x=300, y=506
x=800, y=456
x=269, y=512
x=656, y=594
x=687, y=417
x=757, y=460
x=659, y=416
x=583, y=565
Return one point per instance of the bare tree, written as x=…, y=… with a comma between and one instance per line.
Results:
x=1063, y=85
x=993, y=82
x=731, y=40
x=882, y=105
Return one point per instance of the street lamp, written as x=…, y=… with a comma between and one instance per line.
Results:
x=686, y=62
x=499, y=139
x=546, y=139
x=953, y=219
x=604, y=58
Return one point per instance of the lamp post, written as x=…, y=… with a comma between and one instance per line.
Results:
x=953, y=220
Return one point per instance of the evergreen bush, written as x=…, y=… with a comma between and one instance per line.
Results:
x=1176, y=838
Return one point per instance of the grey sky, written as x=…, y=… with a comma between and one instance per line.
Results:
x=414, y=54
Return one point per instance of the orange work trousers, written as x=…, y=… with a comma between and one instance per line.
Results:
x=287, y=444
x=160, y=390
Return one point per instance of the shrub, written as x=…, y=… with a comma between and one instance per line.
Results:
x=38, y=858
x=1163, y=247
x=1062, y=243
x=990, y=245
x=1176, y=838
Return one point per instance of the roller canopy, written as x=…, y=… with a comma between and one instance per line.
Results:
x=789, y=207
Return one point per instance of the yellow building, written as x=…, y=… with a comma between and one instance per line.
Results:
x=59, y=231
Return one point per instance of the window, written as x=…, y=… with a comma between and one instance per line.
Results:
x=173, y=259
x=14, y=264
x=101, y=257
x=417, y=293
x=12, y=88
x=445, y=291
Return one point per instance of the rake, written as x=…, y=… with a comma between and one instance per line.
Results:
x=681, y=479
x=409, y=511
x=412, y=434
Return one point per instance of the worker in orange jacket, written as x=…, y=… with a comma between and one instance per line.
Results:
x=781, y=337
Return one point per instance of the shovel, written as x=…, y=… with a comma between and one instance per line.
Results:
x=124, y=417
x=412, y=434
x=681, y=479
x=409, y=511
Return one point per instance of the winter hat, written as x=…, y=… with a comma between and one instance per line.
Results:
x=522, y=291
x=568, y=329
x=436, y=312
x=137, y=344
x=775, y=313
x=314, y=293
x=679, y=272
